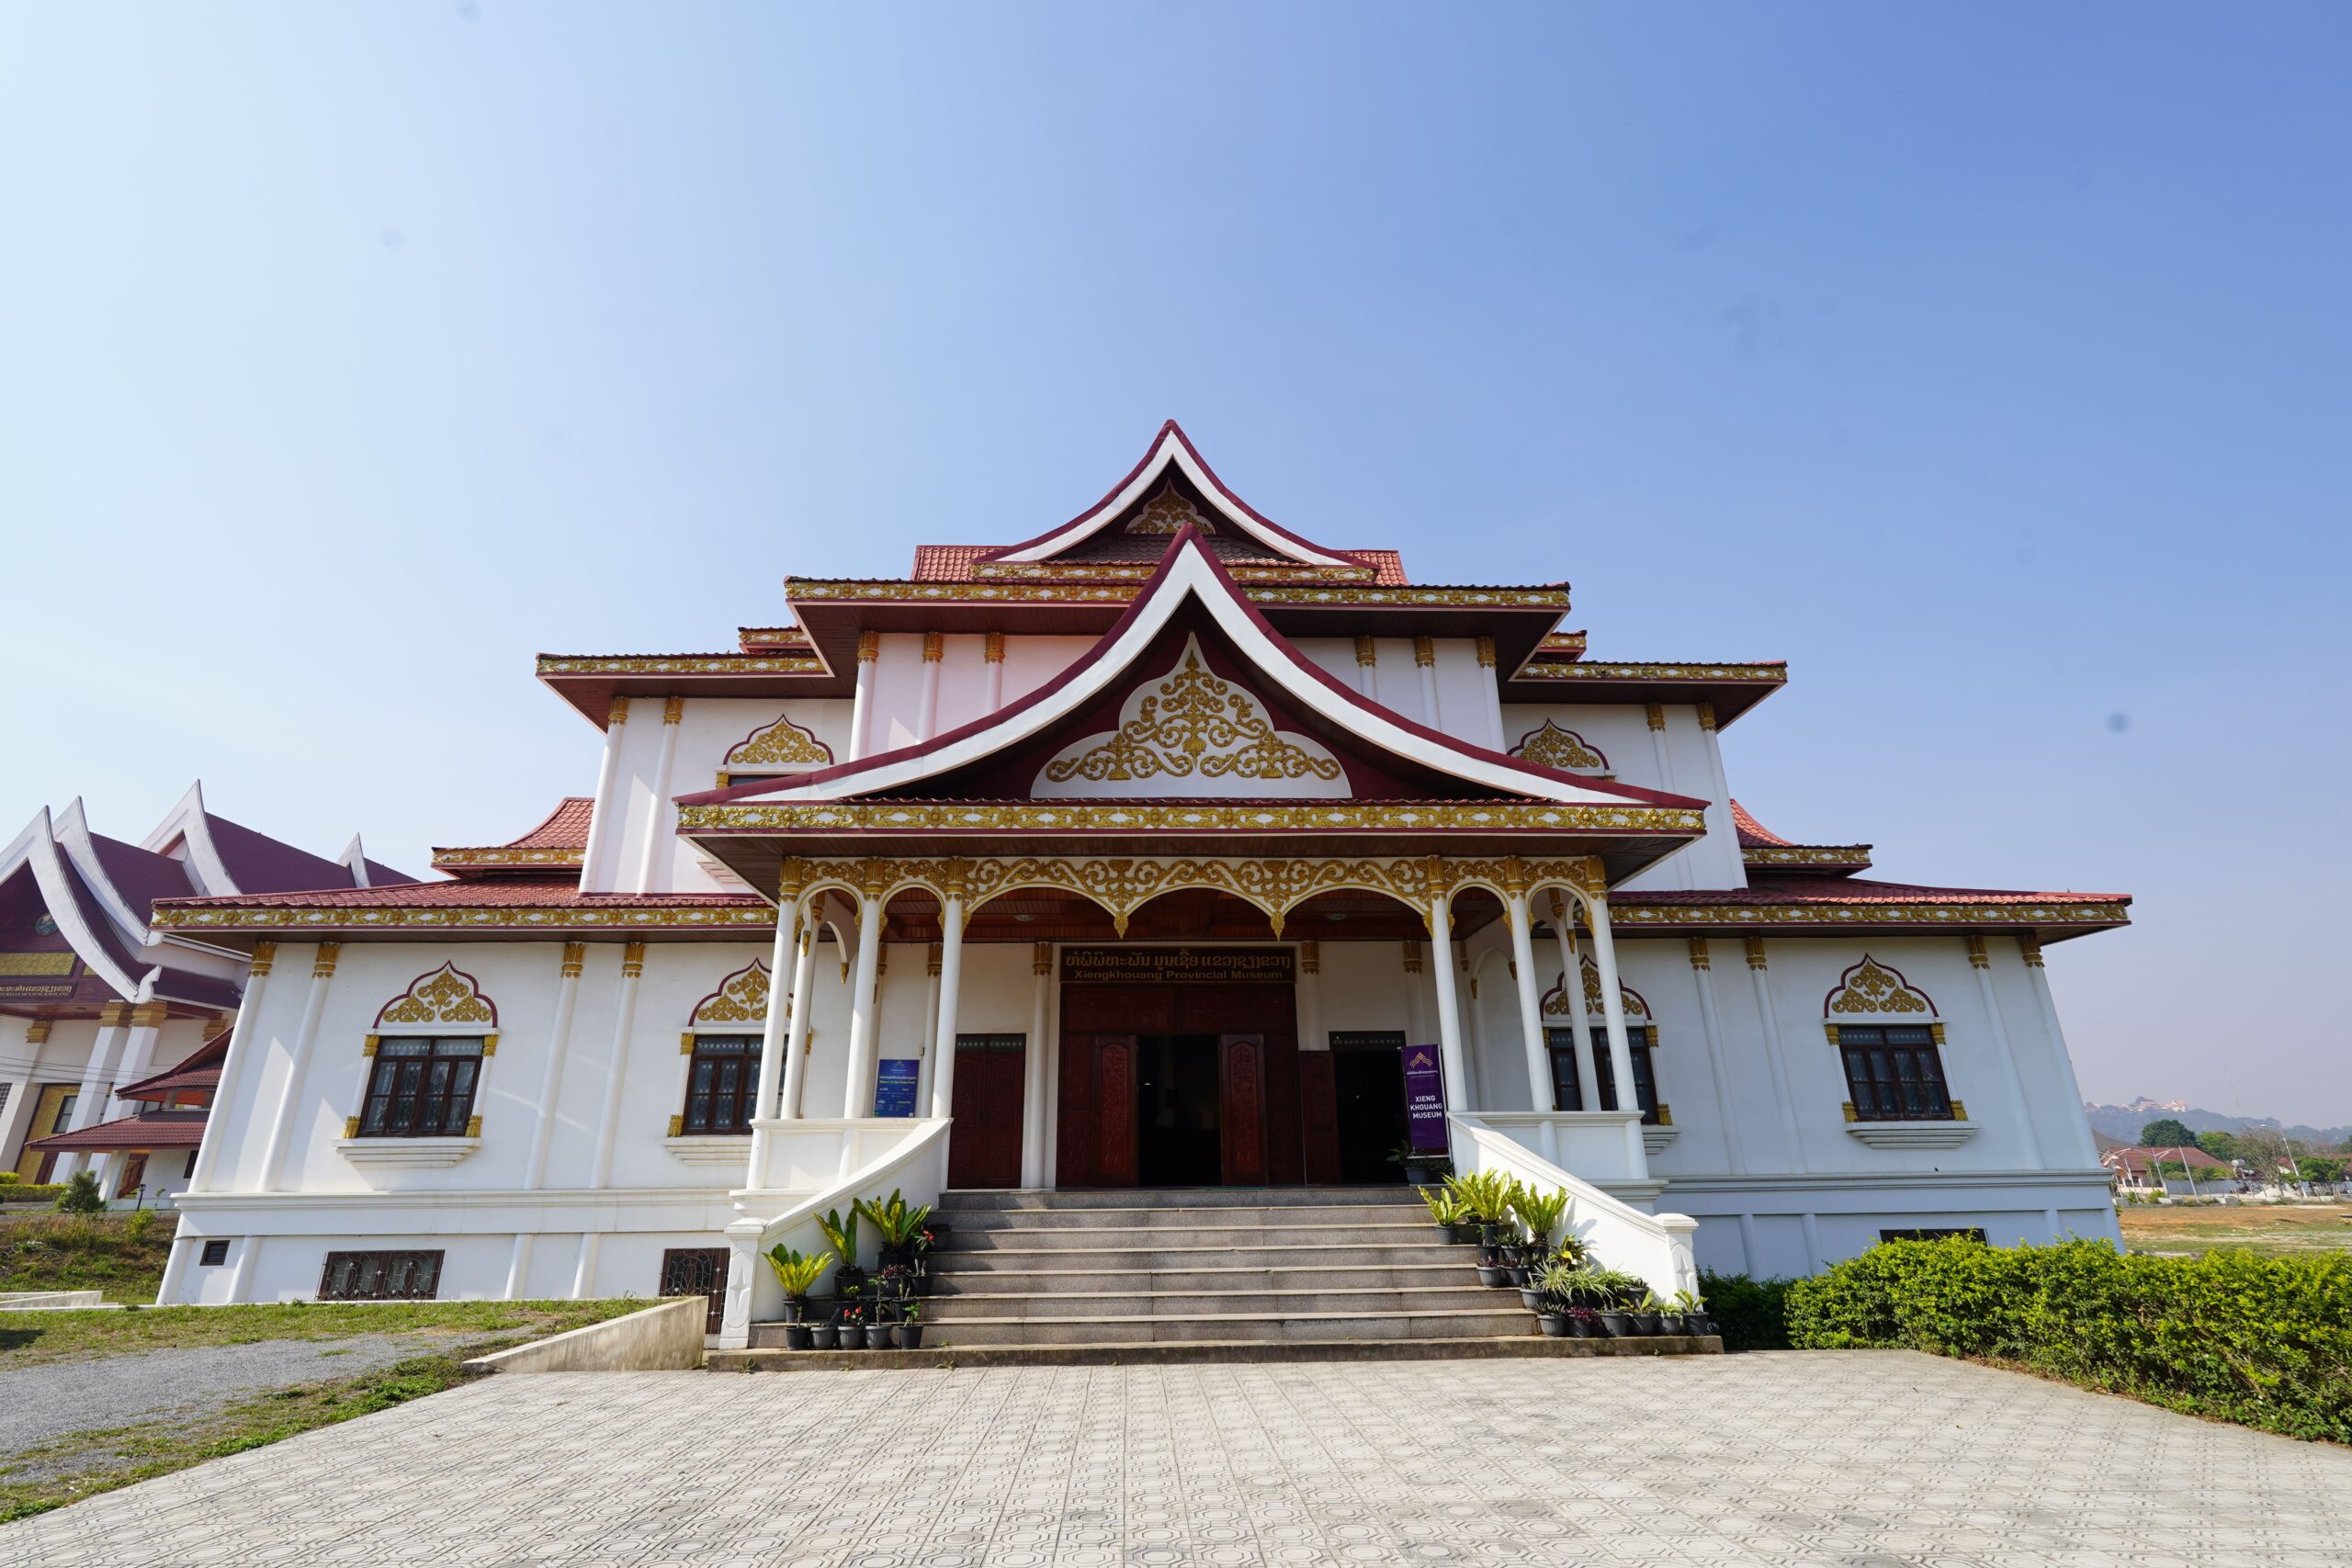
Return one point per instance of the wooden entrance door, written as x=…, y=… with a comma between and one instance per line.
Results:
x=984, y=1147
x=1114, y=1111
x=1241, y=1085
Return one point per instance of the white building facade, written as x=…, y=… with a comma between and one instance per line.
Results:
x=1140, y=854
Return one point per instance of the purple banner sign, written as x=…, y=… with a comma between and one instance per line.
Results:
x=1425, y=1100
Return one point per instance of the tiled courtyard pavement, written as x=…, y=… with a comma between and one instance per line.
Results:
x=1872, y=1458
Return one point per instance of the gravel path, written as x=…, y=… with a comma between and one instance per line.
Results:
x=43, y=1402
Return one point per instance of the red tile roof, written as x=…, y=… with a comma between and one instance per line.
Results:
x=2134, y=1158
x=200, y=1069
x=147, y=1130
x=1753, y=834
x=565, y=828
x=1766, y=889
x=549, y=894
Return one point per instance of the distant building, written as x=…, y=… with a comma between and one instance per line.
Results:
x=111, y=1031
x=2135, y=1166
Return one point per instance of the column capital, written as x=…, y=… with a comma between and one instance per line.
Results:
x=1412, y=957
x=1698, y=959
x=1424, y=650
x=1041, y=958
x=1487, y=653
x=1754, y=951
x=617, y=714
x=934, y=646
x=992, y=648
x=869, y=647
x=1656, y=713
x=1706, y=715
x=265, y=957
x=632, y=959
x=114, y=1015
x=1977, y=958
x=1367, y=652
x=931, y=959
x=37, y=1032
x=149, y=1015
x=1310, y=958
x=2030, y=946
x=329, y=954
x=575, y=955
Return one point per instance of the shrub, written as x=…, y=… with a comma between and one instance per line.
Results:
x=1753, y=1314
x=82, y=1194
x=2263, y=1341
x=9, y=1179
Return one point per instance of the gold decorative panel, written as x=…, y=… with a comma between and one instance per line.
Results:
x=1872, y=988
x=1552, y=746
x=1195, y=725
x=781, y=744
x=741, y=997
x=446, y=994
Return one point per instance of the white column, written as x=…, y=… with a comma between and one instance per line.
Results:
x=1490, y=688
x=1531, y=1019
x=861, y=711
x=927, y=705
x=661, y=832
x=1702, y=977
x=567, y=999
x=1311, y=997
x=233, y=1064
x=176, y=1268
x=1680, y=863
x=1367, y=665
x=601, y=817
x=1416, y=996
x=97, y=1082
x=1572, y=993
x=609, y=1120
x=857, y=1098
x=518, y=1267
x=951, y=981
x=775, y=1028
x=992, y=657
x=796, y=1040
x=281, y=1125
x=1034, y=1134
x=1053, y=1120
x=1425, y=660
x=1774, y=1056
x=1981, y=964
x=1474, y=1023
x=1613, y=1018
x=137, y=1055
x=241, y=1276
x=2086, y=1148
x=1449, y=1008
x=925, y=1058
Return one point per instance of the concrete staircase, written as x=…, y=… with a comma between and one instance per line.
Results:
x=1204, y=1274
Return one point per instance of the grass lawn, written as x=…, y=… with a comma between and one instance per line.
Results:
x=81, y=1464
x=44, y=1250
x=2272, y=1228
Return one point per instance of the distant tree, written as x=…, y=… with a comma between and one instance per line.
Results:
x=2165, y=1132
x=82, y=1194
x=2324, y=1168
x=2220, y=1145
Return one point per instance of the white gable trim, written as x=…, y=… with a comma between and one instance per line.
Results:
x=1170, y=451
x=1191, y=574
x=189, y=824
x=71, y=833
x=38, y=847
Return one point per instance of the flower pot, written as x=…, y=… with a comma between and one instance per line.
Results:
x=1493, y=1276
x=1462, y=1235
x=901, y=1256
x=1672, y=1323
x=908, y=1336
x=878, y=1336
x=1531, y=1299
x=1554, y=1328
x=796, y=1309
x=1645, y=1322
x=1581, y=1327
x=800, y=1336
x=1519, y=1275
x=1617, y=1324
x=1700, y=1323
x=823, y=1337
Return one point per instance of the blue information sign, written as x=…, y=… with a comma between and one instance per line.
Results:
x=894, y=1085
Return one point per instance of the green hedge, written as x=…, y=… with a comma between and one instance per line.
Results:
x=1753, y=1314
x=26, y=1192
x=2263, y=1341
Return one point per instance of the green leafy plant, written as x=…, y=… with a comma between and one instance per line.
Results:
x=898, y=1222
x=82, y=1194
x=1539, y=1211
x=9, y=1179
x=1444, y=1207
x=1573, y=1251
x=797, y=1272
x=1686, y=1303
x=1614, y=1288
x=1487, y=1194
x=2231, y=1335
x=841, y=1233
x=139, y=1223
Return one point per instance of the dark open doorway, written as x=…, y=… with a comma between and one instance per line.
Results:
x=1177, y=1111
x=1368, y=1083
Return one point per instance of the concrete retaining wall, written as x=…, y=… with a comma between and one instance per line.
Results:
x=661, y=1338
x=50, y=1300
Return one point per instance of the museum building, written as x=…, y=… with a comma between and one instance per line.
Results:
x=1135, y=857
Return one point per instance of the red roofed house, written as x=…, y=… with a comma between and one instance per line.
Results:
x=1163, y=854
x=92, y=996
x=2136, y=1169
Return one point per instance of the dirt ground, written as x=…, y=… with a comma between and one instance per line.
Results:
x=2261, y=1227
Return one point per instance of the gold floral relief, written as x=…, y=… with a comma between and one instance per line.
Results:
x=1872, y=988
x=446, y=994
x=783, y=744
x=1552, y=746
x=1195, y=725
x=741, y=997
x=1165, y=514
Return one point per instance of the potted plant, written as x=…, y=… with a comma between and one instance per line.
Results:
x=823, y=1335
x=1422, y=1165
x=1584, y=1324
x=1555, y=1294
x=1649, y=1313
x=841, y=1235
x=1611, y=1293
x=907, y=1333
x=850, y=1319
x=1693, y=1308
x=878, y=1334
x=898, y=1222
x=1539, y=1212
x=1440, y=1205
x=798, y=1275
x=1488, y=1195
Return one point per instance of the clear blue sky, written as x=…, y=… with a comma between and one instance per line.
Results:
x=1986, y=362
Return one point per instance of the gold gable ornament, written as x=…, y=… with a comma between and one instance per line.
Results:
x=1872, y=988
x=1165, y=514
x=1197, y=724
x=741, y=997
x=783, y=744
x=446, y=994
x=1552, y=746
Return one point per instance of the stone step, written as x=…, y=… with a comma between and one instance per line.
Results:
x=1047, y=1281
x=967, y=1200
x=1157, y=1259
x=1229, y=1215
x=1142, y=1237
x=1144, y=1328
x=766, y=1355
x=1037, y=1307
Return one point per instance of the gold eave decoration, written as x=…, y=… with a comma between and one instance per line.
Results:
x=497, y=855
x=456, y=917
x=1864, y=917
x=1086, y=816
x=1772, y=674
x=680, y=664
x=1137, y=571
x=1337, y=595
x=1807, y=854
